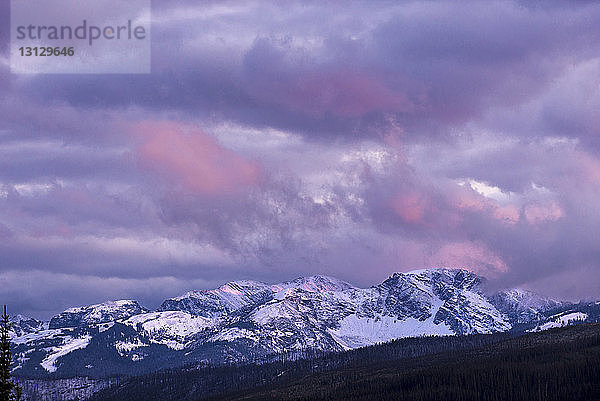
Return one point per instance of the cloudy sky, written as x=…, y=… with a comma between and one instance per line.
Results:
x=277, y=140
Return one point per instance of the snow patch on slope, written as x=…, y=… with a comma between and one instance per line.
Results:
x=125, y=347
x=356, y=331
x=70, y=344
x=41, y=335
x=234, y=333
x=170, y=328
x=561, y=320
x=95, y=311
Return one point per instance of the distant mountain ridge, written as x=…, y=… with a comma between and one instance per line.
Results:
x=249, y=320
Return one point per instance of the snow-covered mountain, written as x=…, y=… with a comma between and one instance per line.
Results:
x=521, y=306
x=86, y=316
x=21, y=325
x=248, y=320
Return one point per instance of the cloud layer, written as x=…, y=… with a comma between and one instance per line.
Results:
x=272, y=142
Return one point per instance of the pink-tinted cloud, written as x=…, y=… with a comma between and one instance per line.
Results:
x=508, y=214
x=194, y=159
x=410, y=207
x=339, y=93
x=537, y=213
x=466, y=199
x=590, y=167
x=469, y=255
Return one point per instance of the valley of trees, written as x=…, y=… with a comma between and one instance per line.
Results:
x=558, y=364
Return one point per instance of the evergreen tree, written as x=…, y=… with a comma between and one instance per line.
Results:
x=9, y=390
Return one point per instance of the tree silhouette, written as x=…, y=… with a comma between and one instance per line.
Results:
x=9, y=389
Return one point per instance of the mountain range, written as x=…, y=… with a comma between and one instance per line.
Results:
x=246, y=321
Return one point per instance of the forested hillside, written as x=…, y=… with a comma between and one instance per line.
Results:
x=558, y=364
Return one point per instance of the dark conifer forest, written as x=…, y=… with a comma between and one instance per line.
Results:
x=558, y=364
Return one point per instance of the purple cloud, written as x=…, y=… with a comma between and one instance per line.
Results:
x=269, y=143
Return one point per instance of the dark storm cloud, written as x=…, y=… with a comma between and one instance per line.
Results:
x=426, y=65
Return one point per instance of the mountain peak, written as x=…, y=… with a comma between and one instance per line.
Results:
x=21, y=325
x=459, y=276
x=97, y=313
x=316, y=283
x=242, y=287
x=522, y=305
x=214, y=303
x=104, y=305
